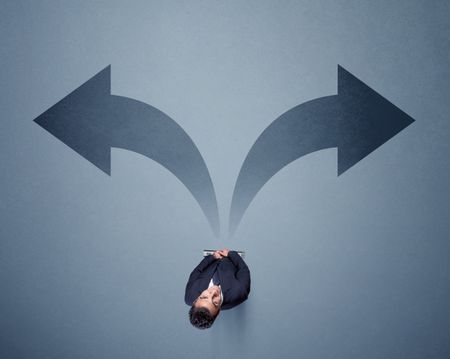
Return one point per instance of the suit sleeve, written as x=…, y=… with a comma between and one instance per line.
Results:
x=242, y=273
x=201, y=267
x=188, y=296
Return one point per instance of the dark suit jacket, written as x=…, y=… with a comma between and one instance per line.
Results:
x=234, y=279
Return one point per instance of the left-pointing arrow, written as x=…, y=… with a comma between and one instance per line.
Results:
x=91, y=121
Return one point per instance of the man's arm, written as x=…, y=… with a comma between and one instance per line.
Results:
x=243, y=273
x=201, y=267
x=190, y=296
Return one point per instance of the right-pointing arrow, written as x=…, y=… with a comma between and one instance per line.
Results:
x=357, y=120
x=367, y=120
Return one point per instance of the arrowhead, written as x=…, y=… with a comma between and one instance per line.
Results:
x=79, y=120
x=367, y=120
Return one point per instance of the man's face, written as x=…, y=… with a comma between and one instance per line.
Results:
x=209, y=299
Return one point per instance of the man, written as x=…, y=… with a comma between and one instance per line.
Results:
x=220, y=281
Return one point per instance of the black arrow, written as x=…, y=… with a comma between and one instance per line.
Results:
x=91, y=121
x=357, y=121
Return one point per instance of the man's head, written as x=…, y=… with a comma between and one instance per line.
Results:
x=205, y=308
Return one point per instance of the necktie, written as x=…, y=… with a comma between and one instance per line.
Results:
x=215, y=278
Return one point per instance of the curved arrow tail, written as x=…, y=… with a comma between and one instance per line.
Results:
x=306, y=128
x=144, y=129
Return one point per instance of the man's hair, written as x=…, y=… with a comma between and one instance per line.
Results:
x=201, y=318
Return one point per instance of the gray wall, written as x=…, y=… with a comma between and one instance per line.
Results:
x=354, y=266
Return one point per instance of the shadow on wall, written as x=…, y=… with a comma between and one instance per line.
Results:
x=231, y=327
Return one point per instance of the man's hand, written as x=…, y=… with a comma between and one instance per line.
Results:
x=221, y=253
x=224, y=252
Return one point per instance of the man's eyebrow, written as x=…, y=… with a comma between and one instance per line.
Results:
x=216, y=305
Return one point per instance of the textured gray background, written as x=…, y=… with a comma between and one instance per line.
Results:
x=93, y=266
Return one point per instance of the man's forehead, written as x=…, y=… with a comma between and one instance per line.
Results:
x=202, y=302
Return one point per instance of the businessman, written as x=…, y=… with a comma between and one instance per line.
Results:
x=220, y=281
